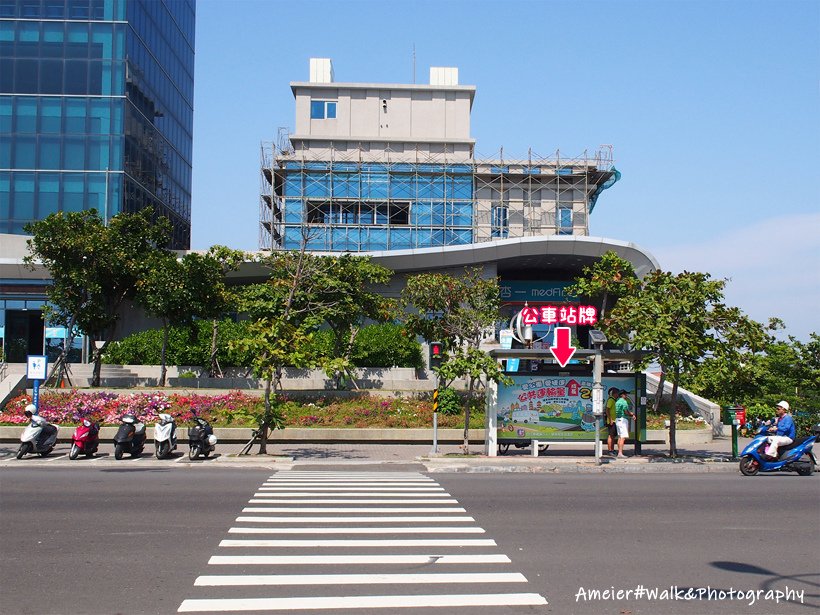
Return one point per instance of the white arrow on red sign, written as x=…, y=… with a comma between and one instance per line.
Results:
x=561, y=349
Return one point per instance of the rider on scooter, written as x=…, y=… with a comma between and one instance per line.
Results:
x=785, y=430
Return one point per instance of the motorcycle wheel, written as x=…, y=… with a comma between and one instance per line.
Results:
x=206, y=452
x=74, y=452
x=136, y=453
x=810, y=470
x=118, y=451
x=749, y=466
x=23, y=450
x=194, y=452
x=46, y=452
x=162, y=450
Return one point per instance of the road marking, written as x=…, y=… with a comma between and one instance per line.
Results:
x=341, y=483
x=352, y=509
x=357, y=530
x=346, y=501
x=359, y=579
x=360, y=602
x=349, y=494
x=385, y=543
x=419, y=519
x=321, y=560
x=321, y=489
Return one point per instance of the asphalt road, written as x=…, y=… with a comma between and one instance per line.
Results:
x=134, y=540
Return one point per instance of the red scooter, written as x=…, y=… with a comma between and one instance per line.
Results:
x=85, y=440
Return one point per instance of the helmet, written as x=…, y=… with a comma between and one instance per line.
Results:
x=784, y=405
x=31, y=408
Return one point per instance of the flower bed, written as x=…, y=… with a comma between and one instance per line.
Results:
x=234, y=409
x=658, y=421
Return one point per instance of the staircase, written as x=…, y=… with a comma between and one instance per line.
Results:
x=12, y=381
x=701, y=406
x=111, y=376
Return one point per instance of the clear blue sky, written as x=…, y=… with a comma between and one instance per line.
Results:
x=713, y=109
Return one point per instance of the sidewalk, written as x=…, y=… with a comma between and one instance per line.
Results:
x=559, y=458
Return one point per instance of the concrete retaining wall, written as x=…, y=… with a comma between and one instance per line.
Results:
x=683, y=437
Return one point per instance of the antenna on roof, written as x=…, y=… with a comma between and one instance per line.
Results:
x=414, y=63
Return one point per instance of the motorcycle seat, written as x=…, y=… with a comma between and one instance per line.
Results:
x=795, y=444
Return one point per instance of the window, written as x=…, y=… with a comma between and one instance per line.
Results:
x=323, y=109
x=500, y=222
x=565, y=220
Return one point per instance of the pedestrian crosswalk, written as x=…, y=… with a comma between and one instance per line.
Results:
x=340, y=541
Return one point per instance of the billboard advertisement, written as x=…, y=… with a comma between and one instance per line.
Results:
x=557, y=407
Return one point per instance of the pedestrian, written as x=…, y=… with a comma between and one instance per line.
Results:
x=612, y=430
x=784, y=429
x=621, y=422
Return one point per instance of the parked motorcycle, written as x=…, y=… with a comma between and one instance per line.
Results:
x=201, y=439
x=130, y=437
x=165, y=436
x=86, y=439
x=795, y=457
x=39, y=436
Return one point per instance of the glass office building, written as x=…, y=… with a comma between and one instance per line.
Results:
x=96, y=109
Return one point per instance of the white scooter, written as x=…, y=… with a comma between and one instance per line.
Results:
x=165, y=436
x=39, y=436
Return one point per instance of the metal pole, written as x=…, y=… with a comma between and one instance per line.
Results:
x=597, y=400
x=434, y=450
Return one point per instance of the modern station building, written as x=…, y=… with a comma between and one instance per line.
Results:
x=390, y=170
x=96, y=111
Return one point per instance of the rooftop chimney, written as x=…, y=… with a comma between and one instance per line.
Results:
x=321, y=70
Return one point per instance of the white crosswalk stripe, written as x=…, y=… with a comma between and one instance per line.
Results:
x=339, y=537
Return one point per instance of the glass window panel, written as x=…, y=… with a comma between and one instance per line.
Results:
x=74, y=151
x=78, y=9
x=77, y=33
x=75, y=116
x=96, y=192
x=97, y=153
x=317, y=110
x=24, y=152
x=331, y=110
x=51, y=77
x=99, y=113
x=55, y=8
x=26, y=115
x=26, y=73
x=76, y=77
x=5, y=154
x=28, y=31
x=73, y=189
x=5, y=114
x=51, y=111
x=49, y=152
x=23, y=204
x=54, y=32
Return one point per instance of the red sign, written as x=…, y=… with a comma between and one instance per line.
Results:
x=560, y=314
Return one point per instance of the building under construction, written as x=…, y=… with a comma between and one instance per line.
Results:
x=383, y=167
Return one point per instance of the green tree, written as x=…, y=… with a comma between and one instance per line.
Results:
x=679, y=319
x=180, y=290
x=348, y=298
x=609, y=278
x=460, y=312
x=94, y=268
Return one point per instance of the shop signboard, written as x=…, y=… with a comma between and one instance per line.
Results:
x=552, y=407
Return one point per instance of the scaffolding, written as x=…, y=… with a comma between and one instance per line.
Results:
x=362, y=200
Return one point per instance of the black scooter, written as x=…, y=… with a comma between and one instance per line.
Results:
x=201, y=439
x=130, y=437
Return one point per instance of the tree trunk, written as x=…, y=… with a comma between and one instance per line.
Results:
x=659, y=391
x=163, y=368
x=673, y=449
x=468, y=402
x=96, y=357
x=214, y=371
x=263, y=437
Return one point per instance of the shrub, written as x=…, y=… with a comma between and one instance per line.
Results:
x=449, y=402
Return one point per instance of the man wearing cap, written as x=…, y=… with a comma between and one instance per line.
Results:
x=785, y=429
x=621, y=422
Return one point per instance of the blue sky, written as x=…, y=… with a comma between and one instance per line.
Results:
x=713, y=109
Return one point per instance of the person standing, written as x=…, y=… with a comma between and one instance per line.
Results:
x=612, y=430
x=785, y=430
x=621, y=422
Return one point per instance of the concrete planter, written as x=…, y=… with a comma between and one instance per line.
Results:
x=683, y=437
x=295, y=434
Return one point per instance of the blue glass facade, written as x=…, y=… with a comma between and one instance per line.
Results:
x=96, y=109
x=369, y=206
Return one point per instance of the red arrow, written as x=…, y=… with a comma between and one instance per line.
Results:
x=562, y=351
